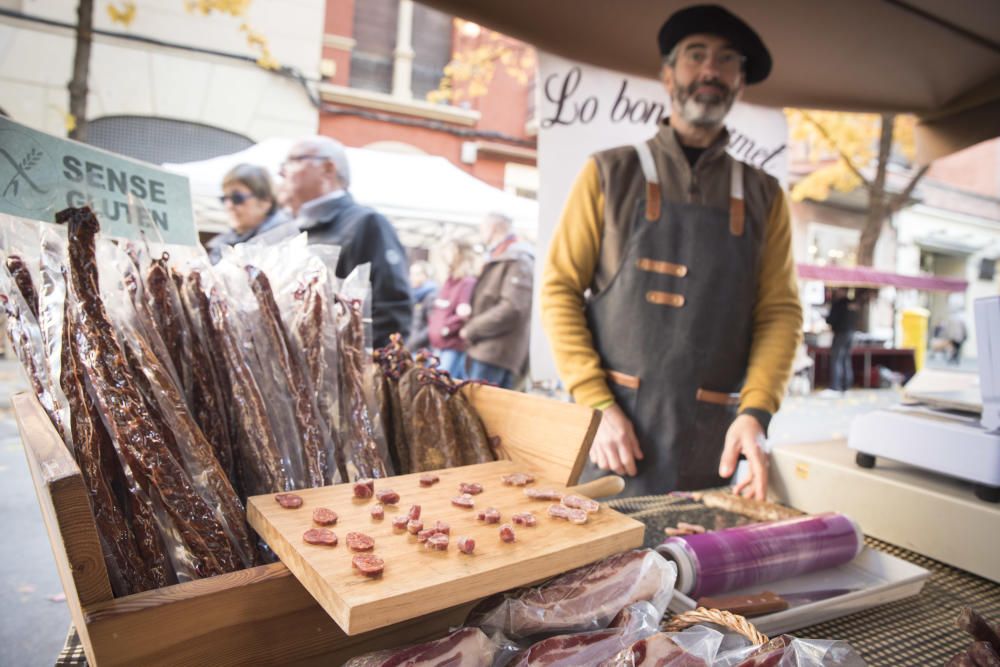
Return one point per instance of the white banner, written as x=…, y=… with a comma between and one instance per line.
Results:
x=584, y=109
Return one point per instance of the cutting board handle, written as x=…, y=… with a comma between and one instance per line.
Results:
x=609, y=485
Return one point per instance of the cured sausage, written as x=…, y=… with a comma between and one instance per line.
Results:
x=442, y=527
x=399, y=522
x=388, y=497
x=320, y=536
x=543, y=494
x=489, y=515
x=288, y=500
x=471, y=488
x=464, y=500
x=360, y=542
x=437, y=541
x=378, y=511
x=429, y=479
x=507, y=533
x=466, y=545
x=364, y=488
x=568, y=513
x=414, y=526
x=369, y=565
x=517, y=479
x=324, y=516
x=524, y=519
x=414, y=512
x=581, y=503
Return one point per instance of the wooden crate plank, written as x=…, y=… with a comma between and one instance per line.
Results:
x=69, y=522
x=418, y=581
x=551, y=436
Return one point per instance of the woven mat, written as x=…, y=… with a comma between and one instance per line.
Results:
x=918, y=630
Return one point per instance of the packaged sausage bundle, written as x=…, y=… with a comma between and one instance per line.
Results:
x=364, y=448
x=428, y=421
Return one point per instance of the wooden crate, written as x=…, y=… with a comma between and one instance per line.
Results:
x=261, y=615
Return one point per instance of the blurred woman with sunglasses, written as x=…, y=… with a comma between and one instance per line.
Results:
x=250, y=201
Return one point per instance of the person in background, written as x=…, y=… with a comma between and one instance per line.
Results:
x=843, y=319
x=956, y=333
x=452, y=308
x=250, y=202
x=499, y=330
x=318, y=177
x=423, y=289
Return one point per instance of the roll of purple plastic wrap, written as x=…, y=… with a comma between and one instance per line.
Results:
x=734, y=558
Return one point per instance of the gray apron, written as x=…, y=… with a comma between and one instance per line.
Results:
x=673, y=330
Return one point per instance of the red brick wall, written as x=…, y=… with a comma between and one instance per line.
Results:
x=339, y=21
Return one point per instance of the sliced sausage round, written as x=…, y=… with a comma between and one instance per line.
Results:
x=464, y=500
x=289, y=500
x=324, y=516
x=370, y=565
x=489, y=515
x=321, y=536
x=471, y=488
x=437, y=541
x=378, y=512
x=364, y=488
x=387, y=496
x=524, y=519
x=399, y=522
x=518, y=479
x=414, y=526
x=414, y=512
x=429, y=479
x=507, y=533
x=466, y=545
x=360, y=542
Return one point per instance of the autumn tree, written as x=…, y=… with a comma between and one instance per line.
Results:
x=124, y=13
x=843, y=147
x=476, y=55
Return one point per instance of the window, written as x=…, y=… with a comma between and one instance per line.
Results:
x=431, y=47
x=160, y=140
x=375, y=30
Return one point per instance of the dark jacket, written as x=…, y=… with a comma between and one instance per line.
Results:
x=367, y=236
x=500, y=327
x=423, y=301
x=843, y=317
x=231, y=238
x=451, y=311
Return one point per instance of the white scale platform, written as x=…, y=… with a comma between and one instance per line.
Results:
x=954, y=429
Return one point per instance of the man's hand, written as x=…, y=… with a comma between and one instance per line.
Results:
x=615, y=446
x=746, y=436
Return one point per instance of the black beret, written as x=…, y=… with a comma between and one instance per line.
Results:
x=716, y=20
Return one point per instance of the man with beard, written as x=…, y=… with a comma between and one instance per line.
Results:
x=669, y=293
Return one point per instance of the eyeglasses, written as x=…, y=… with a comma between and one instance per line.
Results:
x=727, y=61
x=299, y=158
x=237, y=198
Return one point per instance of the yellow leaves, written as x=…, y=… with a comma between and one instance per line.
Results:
x=69, y=120
x=206, y=7
x=474, y=63
x=837, y=141
x=124, y=16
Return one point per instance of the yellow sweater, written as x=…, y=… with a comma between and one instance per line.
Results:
x=569, y=269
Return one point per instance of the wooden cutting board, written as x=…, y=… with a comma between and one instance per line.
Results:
x=416, y=580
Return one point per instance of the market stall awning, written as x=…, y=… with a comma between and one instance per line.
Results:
x=862, y=276
x=939, y=60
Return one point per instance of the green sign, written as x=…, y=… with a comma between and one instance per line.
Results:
x=41, y=175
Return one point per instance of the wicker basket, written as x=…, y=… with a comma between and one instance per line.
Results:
x=726, y=619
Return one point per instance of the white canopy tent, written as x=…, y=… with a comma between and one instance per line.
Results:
x=426, y=196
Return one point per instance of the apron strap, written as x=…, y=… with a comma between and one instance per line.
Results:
x=652, y=181
x=736, y=210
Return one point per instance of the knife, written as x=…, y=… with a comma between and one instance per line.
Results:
x=767, y=602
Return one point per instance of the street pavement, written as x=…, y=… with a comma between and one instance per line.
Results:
x=33, y=614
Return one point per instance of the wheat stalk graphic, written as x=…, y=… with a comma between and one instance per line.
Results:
x=21, y=169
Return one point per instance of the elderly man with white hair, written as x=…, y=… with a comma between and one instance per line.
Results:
x=317, y=177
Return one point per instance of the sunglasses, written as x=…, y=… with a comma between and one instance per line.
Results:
x=237, y=198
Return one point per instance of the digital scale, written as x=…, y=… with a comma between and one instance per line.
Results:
x=950, y=423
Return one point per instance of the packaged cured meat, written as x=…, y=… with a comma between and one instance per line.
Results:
x=466, y=647
x=141, y=440
x=704, y=645
x=595, y=647
x=361, y=437
x=584, y=599
x=166, y=404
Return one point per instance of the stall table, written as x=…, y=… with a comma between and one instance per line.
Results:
x=865, y=360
